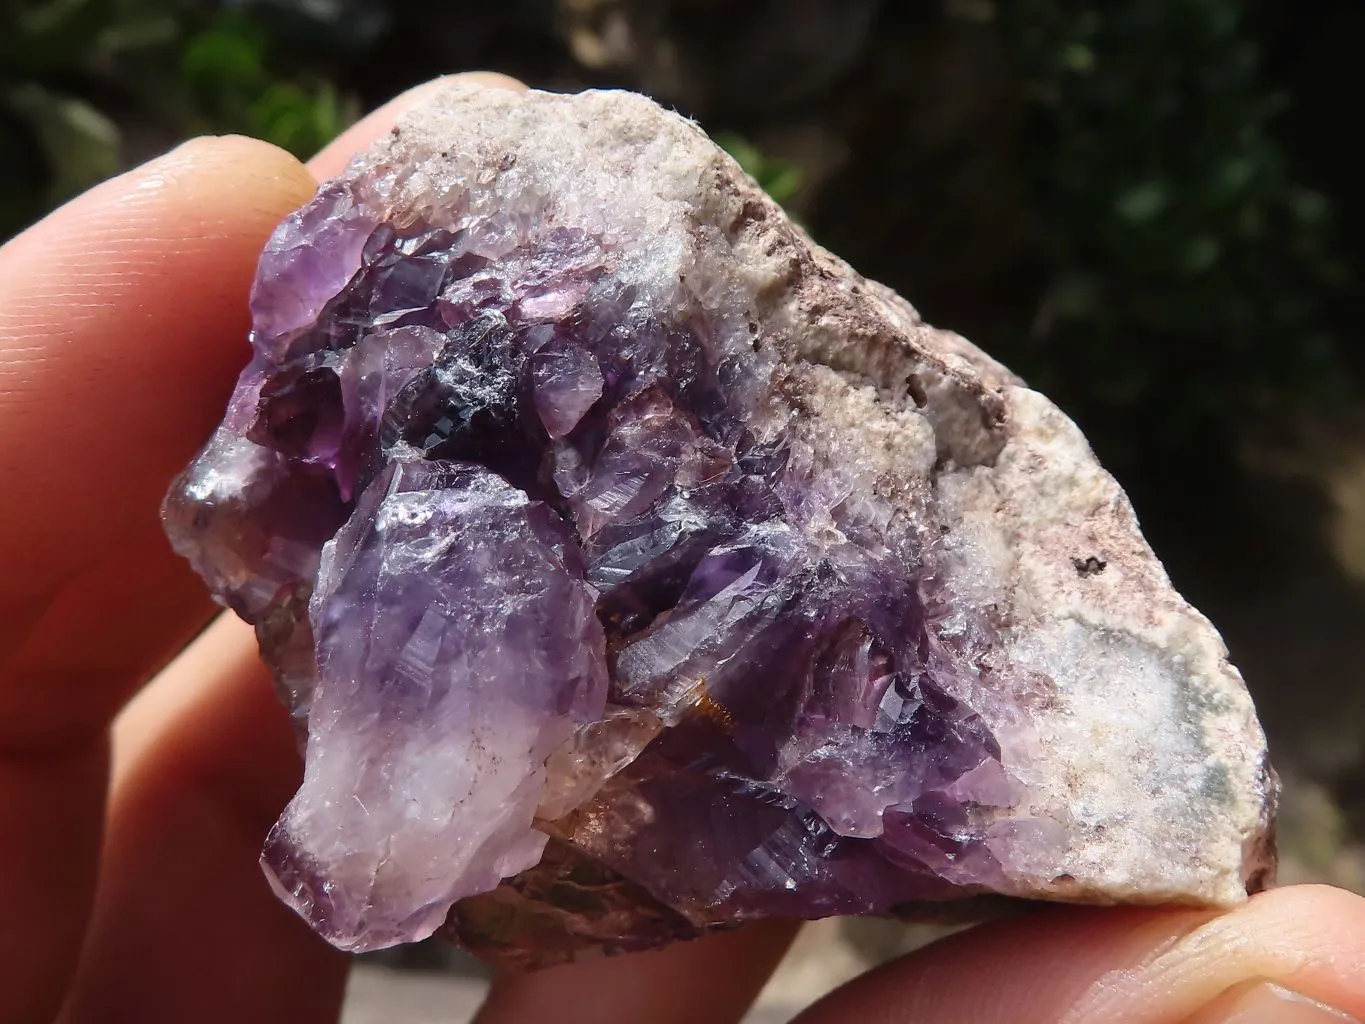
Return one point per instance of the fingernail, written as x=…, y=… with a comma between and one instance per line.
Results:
x=1261, y=1002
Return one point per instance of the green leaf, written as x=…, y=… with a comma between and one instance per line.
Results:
x=132, y=36
x=1201, y=253
x=300, y=119
x=53, y=36
x=48, y=18
x=782, y=182
x=80, y=144
x=222, y=60
x=780, y=179
x=746, y=154
x=1309, y=207
x=1141, y=204
x=1079, y=58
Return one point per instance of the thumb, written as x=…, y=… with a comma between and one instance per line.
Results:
x=1289, y=956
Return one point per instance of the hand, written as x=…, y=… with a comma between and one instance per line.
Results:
x=129, y=889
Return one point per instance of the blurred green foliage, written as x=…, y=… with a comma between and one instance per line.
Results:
x=83, y=81
x=778, y=178
x=1190, y=275
x=1187, y=275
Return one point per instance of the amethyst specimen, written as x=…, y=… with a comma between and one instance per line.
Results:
x=633, y=568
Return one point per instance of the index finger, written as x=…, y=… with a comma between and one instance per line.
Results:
x=123, y=321
x=203, y=759
x=121, y=327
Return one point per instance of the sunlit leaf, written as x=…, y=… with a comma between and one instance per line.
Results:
x=79, y=143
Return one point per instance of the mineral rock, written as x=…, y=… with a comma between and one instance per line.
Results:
x=633, y=568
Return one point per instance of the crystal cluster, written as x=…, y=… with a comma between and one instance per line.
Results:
x=591, y=633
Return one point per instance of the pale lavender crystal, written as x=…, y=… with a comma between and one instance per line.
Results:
x=543, y=548
x=459, y=649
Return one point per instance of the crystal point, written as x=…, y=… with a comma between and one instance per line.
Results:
x=633, y=568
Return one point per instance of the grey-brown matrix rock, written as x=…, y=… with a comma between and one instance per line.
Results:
x=634, y=568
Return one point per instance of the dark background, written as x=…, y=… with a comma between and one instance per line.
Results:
x=1152, y=209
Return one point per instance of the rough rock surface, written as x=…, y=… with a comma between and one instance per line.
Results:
x=633, y=567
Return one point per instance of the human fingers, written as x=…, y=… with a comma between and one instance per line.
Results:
x=1129, y=966
x=204, y=762
x=185, y=927
x=121, y=328
x=714, y=979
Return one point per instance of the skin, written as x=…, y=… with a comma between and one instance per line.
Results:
x=133, y=797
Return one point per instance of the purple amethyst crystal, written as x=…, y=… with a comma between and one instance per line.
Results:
x=550, y=537
x=459, y=648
